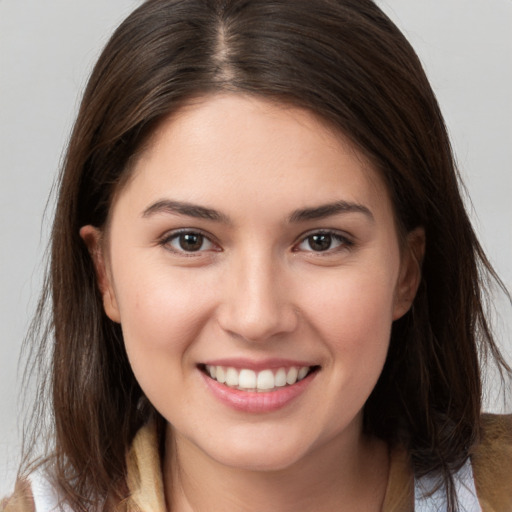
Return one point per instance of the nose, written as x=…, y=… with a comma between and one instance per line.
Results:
x=257, y=305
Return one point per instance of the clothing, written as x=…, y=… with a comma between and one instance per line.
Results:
x=488, y=476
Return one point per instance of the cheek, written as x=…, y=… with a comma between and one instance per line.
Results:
x=353, y=314
x=162, y=313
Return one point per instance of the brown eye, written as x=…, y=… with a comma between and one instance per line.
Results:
x=324, y=241
x=191, y=241
x=188, y=241
x=320, y=242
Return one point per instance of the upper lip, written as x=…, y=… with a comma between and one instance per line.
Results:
x=264, y=364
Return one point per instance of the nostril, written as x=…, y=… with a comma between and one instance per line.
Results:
x=258, y=324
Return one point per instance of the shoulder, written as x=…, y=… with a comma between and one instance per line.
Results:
x=483, y=483
x=21, y=500
x=34, y=494
x=492, y=463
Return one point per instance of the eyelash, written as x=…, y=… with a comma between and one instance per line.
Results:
x=175, y=236
x=344, y=243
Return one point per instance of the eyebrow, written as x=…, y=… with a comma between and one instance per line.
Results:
x=328, y=210
x=301, y=215
x=183, y=208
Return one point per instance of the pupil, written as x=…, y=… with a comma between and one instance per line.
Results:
x=191, y=241
x=320, y=242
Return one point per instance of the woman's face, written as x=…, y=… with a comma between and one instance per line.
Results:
x=256, y=245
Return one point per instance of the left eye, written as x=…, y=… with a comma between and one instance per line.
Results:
x=322, y=242
x=189, y=241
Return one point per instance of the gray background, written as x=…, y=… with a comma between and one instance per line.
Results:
x=47, y=50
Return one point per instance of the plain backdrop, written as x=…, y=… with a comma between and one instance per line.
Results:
x=46, y=53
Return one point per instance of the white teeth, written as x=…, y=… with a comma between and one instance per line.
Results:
x=220, y=375
x=265, y=380
x=232, y=377
x=291, y=376
x=249, y=380
x=280, y=378
x=302, y=373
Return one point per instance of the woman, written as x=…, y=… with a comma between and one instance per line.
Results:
x=266, y=292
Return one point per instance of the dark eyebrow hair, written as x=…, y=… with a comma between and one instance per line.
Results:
x=200, y=212
x=326, y=210
x=183, y=208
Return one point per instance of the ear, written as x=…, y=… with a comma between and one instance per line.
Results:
x=410, y=272
x=93, y=239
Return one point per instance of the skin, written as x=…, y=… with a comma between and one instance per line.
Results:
x=256, y=289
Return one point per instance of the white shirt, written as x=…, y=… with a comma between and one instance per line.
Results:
x=436, y=502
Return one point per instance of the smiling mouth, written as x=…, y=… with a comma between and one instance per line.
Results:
x=264, y=381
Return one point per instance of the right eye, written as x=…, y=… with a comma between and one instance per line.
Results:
x=188, y=242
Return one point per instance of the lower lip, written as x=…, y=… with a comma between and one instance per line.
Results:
x=257, y=402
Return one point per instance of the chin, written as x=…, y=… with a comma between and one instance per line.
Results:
x=259, y=461
x=259, y=452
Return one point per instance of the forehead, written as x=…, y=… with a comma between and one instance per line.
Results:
x=232, y=148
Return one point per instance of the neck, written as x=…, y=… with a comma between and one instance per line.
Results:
x=340, y=475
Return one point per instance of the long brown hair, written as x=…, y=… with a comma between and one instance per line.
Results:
x=343, y=60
